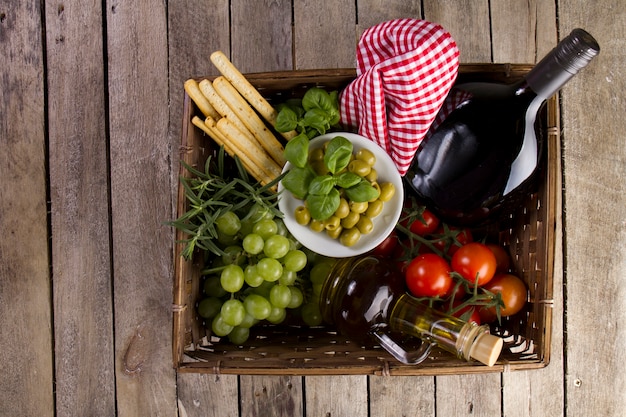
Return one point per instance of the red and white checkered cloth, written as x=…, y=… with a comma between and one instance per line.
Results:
x=405, y=69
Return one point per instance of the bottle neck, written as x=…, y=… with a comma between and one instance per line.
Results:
x=571, y=55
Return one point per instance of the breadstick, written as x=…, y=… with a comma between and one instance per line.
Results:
x=247, y=145
x=208, y=126
x=193, y=91
x=247, y=90
x=207, y=89
x=249, y=118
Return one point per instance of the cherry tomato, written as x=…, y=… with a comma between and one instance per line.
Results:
x=387, y=246
x=475, y=262
x=455, y=238
x=427, y=226
x=513, y=292
x=468, y=313
x=428, y=275
x=503, y=260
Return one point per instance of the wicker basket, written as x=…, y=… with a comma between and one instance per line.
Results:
x=528, y=232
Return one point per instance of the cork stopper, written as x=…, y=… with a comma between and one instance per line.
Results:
x=486, y=348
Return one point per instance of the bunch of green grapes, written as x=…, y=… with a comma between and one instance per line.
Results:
x=260, y=276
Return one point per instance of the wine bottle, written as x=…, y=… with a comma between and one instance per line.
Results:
x=486, y=150
x=365, y=298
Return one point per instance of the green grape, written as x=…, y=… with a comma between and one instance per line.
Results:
x=219, y=327
x=294, y=260
x=265, y=228
x=257, y=306
x=264, y=289
x=311, y=314
x=209, y=307
x=276, y=246
x=253, y=244
x=213, y=288
x=258, y=212
x=320, y=271
x=226, y=240
x=233, y=312
x=239, y=335
x=270, y=269
x=281, y=229
x=317, y=290
x=248, y=321
x=246, y=227
x=233, y=255
x=232, y=278
x=288, y=277
x=228, y=223
x=280, y=296
x=297, y=298
x=251, y=276
x=277, y=315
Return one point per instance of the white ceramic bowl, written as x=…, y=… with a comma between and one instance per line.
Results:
x=384, y=223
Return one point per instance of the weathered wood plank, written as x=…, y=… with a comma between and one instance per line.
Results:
x=324, y=34
x=203, y=395
x=271, y=396
x=468, y=395
x=81, y=253
x=468, y=23
x=26, y=386
x=261, y=32
x=336, y=396
x=595, y=208
x=372, y=12
x=141, y=200
x=534, y=35
x=402, y=396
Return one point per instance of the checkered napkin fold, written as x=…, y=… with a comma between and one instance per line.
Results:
x=405, y=69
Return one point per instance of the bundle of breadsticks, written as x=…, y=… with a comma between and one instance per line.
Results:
x=233, y=111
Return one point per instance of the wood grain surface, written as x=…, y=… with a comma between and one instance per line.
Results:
x=90, y=122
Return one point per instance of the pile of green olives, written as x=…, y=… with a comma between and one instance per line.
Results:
x=352, y=219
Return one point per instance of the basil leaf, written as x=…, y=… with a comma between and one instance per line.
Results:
x=322, y=185
x=334, y=111
x=338, y=154
x=348, y=179
x=323, y=206
x=297, y=181
x=297, y=150
x=362, y=192
x=317, y=98
x=316, y=119
x=286, y=119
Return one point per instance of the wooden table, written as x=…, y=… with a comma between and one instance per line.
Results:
x=90, y=111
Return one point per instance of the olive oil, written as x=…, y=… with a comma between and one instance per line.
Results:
x=365, y=298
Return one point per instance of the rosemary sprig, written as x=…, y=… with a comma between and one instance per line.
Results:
x=211, y=193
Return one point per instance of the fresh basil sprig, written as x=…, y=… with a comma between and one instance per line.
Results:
x=311, y=116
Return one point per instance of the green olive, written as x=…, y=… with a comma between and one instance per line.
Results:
x=365, y=225
x=358, y=207
x=334, y=233
x=367, y=156
x=332, y=223
x=387, y=190
x=319, y=167
x=316, y=154
x=343, y=209
x=302, y=215
x=359, y=167
x=316, y=225
x=377, y=188
x=374, y=209
x=349, y=237
x=372, y=176
x=350, y=220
